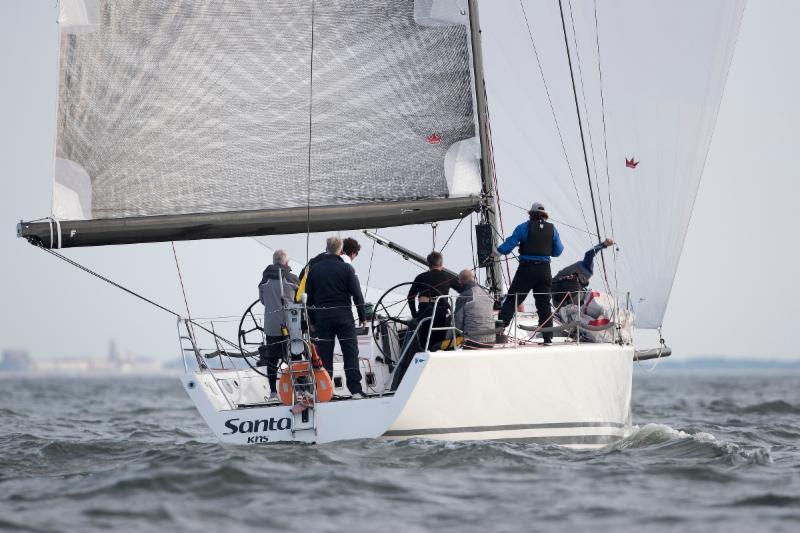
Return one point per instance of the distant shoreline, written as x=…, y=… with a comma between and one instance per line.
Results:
x=726, y=363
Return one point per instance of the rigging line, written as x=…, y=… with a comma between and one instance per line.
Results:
x=580, y=122
x=586, y=111
x=451, y=234
x=183, y=289
x=596, y=184
x=262, y=244
x=369, y=272
x=605, y=147
x=553, y=112
x=472, y=247
x=493, y=167
x=561, y=222
x=131, y=292
x=310, y=124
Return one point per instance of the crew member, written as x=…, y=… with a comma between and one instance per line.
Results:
x=425, y=288
x=350, y=249
x=332, y=287
x=571, y=281
x=277, y=286
x=474, y=313
x=538, y=241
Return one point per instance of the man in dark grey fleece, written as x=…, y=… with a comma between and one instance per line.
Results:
x=278, y=285
x=474, y=313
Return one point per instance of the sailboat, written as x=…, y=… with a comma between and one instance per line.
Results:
x=184, y=120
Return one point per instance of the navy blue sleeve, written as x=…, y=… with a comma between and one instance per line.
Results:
x=355, y=292
x=588, y=259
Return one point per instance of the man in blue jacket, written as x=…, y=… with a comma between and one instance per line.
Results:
x=538, y=241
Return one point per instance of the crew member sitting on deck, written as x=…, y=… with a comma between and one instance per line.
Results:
x=538, y=241
x=572, y=280
x=277, y=286
x=332, y=287
x=425, y=288
x=474, y=313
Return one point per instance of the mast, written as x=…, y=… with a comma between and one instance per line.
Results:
x=488, y=210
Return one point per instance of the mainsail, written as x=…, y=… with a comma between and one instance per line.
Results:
x=204, y=119
x=649, y=77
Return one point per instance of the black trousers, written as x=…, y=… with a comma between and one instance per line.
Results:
x=339, y=323
x=567, y=291
x=530, y=276
x=270, y=356
x=441, y=319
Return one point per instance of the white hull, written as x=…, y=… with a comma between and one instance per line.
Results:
x=571, y=395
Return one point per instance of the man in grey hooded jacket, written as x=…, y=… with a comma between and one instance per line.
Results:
x=474, y=313
x=278, y=285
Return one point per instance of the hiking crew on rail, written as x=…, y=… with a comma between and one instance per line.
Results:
x=571, y=281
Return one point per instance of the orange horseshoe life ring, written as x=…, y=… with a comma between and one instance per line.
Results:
x=301, y=369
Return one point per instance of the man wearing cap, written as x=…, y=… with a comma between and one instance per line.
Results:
x=538, y=241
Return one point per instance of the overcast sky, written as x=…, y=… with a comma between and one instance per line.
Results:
x=735, y=293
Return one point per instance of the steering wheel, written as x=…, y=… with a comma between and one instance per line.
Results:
x=249, y=319
x=392, y=316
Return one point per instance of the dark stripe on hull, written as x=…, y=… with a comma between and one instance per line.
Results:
x=510, y=427
x=568, y=440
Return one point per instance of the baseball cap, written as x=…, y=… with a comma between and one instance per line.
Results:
x=538, y=207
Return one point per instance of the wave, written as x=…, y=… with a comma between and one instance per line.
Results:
x=773, y=407
x=664, y=440
x=767, y=500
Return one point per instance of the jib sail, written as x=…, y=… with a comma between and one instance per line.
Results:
x=649, y=78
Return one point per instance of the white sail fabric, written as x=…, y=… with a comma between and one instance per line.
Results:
x=650, y=76
x=184, y=106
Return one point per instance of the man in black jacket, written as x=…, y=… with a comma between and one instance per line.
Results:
x=332, y=287
x=573, y=280
x=426, y=288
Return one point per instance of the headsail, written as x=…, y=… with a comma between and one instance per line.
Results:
x=649, y=82
x=175, y=115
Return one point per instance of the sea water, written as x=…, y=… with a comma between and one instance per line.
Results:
x=714, y=451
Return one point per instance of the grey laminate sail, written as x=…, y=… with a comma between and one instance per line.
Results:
x=186, y=107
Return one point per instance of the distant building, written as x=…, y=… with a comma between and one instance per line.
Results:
x=16, y=361
x=113, y=354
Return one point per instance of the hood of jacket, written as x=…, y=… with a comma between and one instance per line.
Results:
x=271, y=272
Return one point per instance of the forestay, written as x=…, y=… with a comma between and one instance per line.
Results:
x=649, y=80
x=174, y=114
